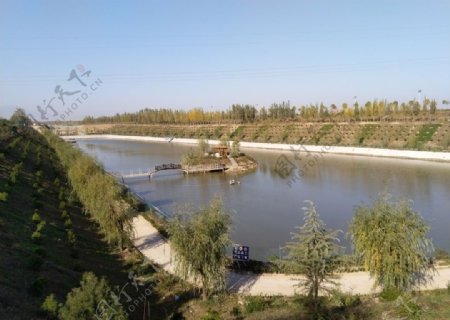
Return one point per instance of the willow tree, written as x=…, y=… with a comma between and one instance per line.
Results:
x=313, y=253
x=392, y=241
x=200, y=241
x=99, y=193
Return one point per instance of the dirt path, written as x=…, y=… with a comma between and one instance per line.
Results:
x=157, y=249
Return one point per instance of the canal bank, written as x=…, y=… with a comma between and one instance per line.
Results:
x=338, y=150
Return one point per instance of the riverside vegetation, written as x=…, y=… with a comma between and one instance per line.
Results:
x=410, y=125
x=40, y=181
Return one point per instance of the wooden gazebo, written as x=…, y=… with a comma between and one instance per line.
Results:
x=222, y=150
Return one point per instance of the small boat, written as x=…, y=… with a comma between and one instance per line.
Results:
x=233, y=182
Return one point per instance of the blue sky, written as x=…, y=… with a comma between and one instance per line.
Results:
x=210, y=54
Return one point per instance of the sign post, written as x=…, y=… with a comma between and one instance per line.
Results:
x=241, y=253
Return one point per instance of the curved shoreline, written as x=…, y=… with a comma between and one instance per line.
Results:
x=159, y=251
x=353, y=151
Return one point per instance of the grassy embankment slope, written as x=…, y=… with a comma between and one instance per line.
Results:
x=47, y=242
x=402, y=135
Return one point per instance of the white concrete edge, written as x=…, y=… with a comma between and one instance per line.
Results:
x=357, y=151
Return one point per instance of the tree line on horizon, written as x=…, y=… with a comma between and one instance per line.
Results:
x=375, y=110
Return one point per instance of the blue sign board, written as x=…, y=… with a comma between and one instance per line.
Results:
x=241, y=252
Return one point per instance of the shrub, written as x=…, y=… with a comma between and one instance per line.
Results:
x=409, y=308
x=40, y=226
x=343, y=299
x=61, y=195
x=92, y=300
x=71, y=238
x=36, y=236
x=57, y=182
x=15, y=172
x=211, y=315
x=68, y=223
x=64, y=215
x=390, y=294
x=2, y=156
x=13, y=177
x=236, y=312
x=255, y=304
x=50, y=307
x=3, y=196
x=62, y=205
x=36, y=218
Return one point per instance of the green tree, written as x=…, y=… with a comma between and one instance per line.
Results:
x=190, y=158
x=20, y=118
x=313, y=252
x=392, y=241
x=200, y=241
x=235, y=148
x=92, y=300
x=433, y=106
x=50, y=306
x=203, y=146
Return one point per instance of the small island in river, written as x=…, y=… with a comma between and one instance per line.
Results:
x=223, y=157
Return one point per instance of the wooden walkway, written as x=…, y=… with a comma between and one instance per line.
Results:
x=171, y=166
x=205, y=168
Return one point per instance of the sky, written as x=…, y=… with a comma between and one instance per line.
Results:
x=127, y=55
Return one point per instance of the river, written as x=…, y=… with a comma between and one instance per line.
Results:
x=265, y=207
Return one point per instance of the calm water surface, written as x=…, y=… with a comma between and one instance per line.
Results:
x=265, y=208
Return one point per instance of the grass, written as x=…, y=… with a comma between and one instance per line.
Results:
x=237, y=133
x=364, y=133
x=422, y=305
x=325, y=129
x=425, y=134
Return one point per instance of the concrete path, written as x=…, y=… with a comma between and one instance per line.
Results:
x=234, y=164
x=157, y=249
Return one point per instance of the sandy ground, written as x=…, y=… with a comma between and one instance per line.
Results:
x=355, y=151
x=157, y=250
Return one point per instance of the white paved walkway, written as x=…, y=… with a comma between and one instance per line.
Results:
x=157, y=249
